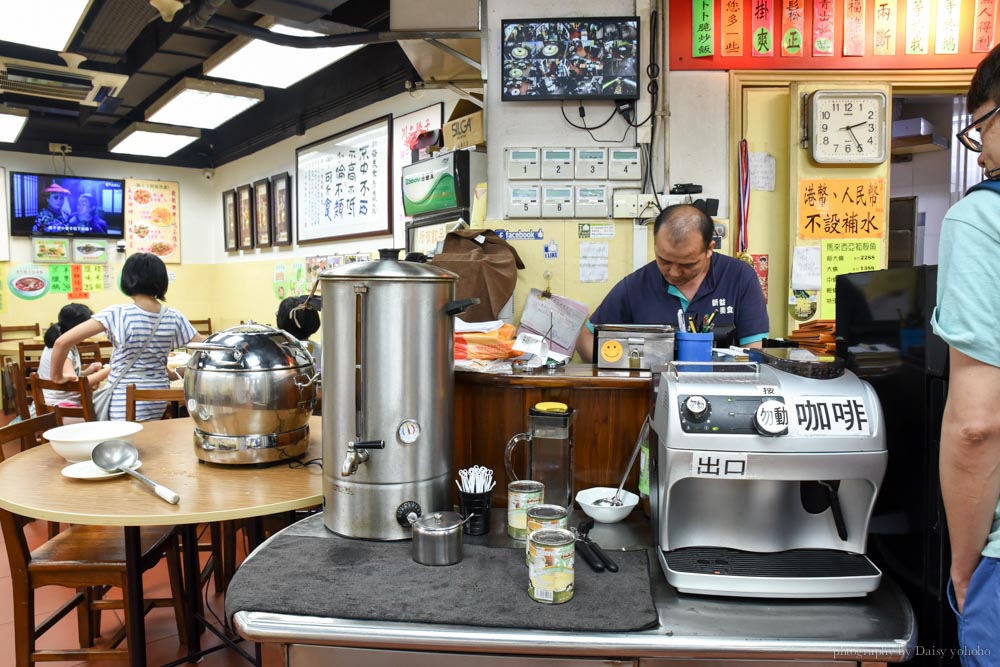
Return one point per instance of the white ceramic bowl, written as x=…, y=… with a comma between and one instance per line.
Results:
x=606, y=513
x=74, y=442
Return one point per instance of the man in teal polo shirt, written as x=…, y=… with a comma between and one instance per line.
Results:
x=967, y=317
x=686, y=276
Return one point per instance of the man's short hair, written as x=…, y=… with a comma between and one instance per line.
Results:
x=985, y=86
x=681, y=220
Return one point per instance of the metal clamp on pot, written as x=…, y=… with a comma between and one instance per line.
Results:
x=250, y=390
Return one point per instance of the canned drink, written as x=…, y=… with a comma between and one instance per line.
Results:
x=544, y=516
x=521, y=495
x=551, y=556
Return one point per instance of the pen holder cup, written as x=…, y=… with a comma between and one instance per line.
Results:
x=477, y=504
x=694, y=346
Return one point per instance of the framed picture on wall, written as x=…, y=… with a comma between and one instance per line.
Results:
x=244, y=216
x=229, y=228
x=281, y=204
x=262, y=212
x=343, y=186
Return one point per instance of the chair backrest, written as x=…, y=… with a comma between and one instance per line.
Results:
x=27, y=430
x=18, y=389
x=133, y=395
x=81, y=386
x=203, y=327
x=89, y=353
x=18, y=331
x=29, y=356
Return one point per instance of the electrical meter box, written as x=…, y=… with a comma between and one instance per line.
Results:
x=624, y=164
x=523, y=200
x=557, y=163
x=592, y=163
x=523, y=164
x=557, y=200
x=591, y=200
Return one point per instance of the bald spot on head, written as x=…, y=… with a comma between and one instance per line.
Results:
x=682, y=221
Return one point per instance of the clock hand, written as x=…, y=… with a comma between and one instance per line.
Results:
x=851, y=127
x=851, y=132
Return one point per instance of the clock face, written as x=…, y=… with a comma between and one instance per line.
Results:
x=848, y=126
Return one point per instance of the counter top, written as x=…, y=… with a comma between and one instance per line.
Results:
x=877, y=628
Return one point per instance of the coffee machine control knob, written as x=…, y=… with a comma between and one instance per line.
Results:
x=771, y=418
x=696, y=408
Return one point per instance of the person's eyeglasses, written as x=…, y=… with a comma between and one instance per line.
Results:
x=965, y=136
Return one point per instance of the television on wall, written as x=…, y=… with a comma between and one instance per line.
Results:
x=54, y=205
x=570, y=59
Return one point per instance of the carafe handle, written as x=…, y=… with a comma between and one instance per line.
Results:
x=511, y=444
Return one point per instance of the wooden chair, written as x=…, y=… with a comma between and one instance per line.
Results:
x=30, y=356
x=80, y=386
x=90, y=353
x=203, y=327
x=18, y=331
x=89, y=559
x=174, y=398
x=18, y=395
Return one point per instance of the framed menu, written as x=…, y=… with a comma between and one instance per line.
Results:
x=229, y=220
x=152, y=218
x=262, y=212
x=344, y=184
x=244, y=216
x=281, y=203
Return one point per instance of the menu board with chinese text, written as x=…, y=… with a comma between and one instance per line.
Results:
x=152, y=219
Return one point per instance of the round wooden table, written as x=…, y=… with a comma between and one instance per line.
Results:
x=32, y=485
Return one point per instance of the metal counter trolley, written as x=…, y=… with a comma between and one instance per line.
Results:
x=691, y=630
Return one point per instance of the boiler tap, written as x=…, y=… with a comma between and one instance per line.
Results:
x=357, y=453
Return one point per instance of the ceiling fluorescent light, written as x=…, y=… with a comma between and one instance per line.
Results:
x=46, y=24
x=153, y=140
x=266, y=64
x=205, y=104
x=11, y=123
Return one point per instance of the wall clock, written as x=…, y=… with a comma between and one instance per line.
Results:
x=848, y=126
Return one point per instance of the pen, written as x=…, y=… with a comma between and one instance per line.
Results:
x=680, y=319
x=692, y=328
x=711, y=318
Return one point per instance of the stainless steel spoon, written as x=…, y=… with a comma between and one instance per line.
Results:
x=616, y=500
x=120, y=456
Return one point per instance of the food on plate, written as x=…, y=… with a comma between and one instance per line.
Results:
x=161, y=215
x=141, y=196
x=29, y=284
x=51, y=249
x=141, y=230
x=89, y=249
x=161, y=248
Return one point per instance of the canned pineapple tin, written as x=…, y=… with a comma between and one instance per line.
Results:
x=551, y=555
x=544, y=516
x=521, y=495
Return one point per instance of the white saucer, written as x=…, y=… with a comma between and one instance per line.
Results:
x=89, y=470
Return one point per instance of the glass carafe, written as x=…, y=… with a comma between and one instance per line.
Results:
x=549, y=442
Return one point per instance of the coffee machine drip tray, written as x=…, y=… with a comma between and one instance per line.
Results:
x=796, y=573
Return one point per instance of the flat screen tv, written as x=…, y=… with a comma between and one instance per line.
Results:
x=570, y=59
x=52, y=205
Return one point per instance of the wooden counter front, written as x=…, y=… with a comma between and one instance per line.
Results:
x=610, y=406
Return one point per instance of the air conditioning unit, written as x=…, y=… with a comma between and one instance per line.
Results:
x=24, y=77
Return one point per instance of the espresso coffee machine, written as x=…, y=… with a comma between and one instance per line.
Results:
x=767, y=474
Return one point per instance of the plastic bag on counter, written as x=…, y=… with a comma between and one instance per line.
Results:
x=496, y=344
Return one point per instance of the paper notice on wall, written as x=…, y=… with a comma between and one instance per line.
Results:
x=762, y=172
x=806, y=273
x=594, y=262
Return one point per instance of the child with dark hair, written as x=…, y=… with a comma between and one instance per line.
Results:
x=299, y=316
x=70, y=316
x=143, y=334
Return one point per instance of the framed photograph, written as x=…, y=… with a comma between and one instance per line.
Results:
x=90, y=251
x=343, y=187
x=262, y=212
x=231, y=237
x=50, y=250
x=281, y=207
x=244, y=216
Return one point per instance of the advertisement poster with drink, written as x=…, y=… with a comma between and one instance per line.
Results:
x=152, y=218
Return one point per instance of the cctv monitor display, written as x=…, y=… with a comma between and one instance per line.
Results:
x=52, y=205
x=570, y=59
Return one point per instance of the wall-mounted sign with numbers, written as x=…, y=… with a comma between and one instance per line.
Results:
x=841, y=208
x=848, y=256
x=343, y=184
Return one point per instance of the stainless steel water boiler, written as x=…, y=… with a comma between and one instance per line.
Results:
x=387, y=395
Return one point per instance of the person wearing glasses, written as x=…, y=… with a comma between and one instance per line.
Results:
x=967, y=317
x=687, y=277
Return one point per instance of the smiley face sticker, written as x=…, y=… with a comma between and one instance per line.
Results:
x=611, y=351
